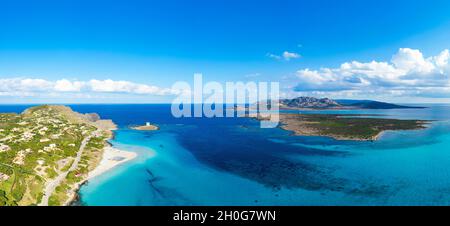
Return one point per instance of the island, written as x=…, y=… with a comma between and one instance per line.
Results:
x=48, y=152
x=146, y=127
x=356, y=127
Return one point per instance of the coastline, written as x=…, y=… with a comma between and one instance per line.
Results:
x=306, y=125
x=111, y=158
x=296, y=132
x=337, y=138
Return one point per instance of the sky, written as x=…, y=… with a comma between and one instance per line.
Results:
x=134, y=51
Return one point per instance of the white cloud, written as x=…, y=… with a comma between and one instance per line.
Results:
x=65, y=85
x=271, y=55
x=128, y=87
x=24, y=85
x=442, y=61
x=32, y=87
x=408, y=72
x=287, y=56
x=252, y=75
x=411, y=61
x=111, y=86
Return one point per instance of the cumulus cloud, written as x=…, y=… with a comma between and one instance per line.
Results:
x=442, y=61
x=65, y=85
x=24, y=85
x=411, y=61
x=128, y=87
x=32, y=87
x=408, y=72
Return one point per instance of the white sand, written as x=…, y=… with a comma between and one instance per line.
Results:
x=111, y=158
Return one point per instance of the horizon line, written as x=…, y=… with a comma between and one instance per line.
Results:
x=163, y=103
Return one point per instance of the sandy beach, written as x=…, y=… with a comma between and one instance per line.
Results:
x=111, y=158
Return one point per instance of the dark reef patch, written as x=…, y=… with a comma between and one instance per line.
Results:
x=255, y=157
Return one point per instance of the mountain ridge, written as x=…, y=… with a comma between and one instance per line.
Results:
x=327, y=103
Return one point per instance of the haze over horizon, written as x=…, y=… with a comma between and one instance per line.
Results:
x=133, y=51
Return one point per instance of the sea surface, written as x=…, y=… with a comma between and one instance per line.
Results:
x=232, y=161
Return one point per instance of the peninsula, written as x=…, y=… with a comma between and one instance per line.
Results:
x=47, y=152
x=357, y=127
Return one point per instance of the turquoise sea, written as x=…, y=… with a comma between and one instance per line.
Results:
x=231, y=161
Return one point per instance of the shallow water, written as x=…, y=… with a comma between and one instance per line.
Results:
x=227, y=161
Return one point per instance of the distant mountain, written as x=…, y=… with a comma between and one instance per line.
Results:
x=371, y=104
x=325, y=103
x=309, y=102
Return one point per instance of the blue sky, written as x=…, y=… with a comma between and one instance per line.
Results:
x=152, y=44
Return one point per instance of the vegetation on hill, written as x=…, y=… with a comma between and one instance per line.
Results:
x=327, y=103
x=41, y=144
x=345, y=127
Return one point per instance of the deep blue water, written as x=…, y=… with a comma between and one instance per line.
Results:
x=231, y=161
